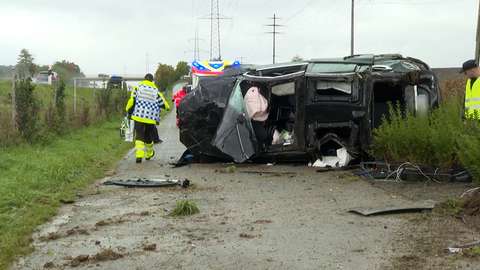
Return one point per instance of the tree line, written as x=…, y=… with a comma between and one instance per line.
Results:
x=34, y=121
x=165, y=75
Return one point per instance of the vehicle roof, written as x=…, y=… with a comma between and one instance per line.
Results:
x=45, y=72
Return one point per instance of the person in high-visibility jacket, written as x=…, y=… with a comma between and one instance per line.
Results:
x=144, y=107
x=472, y=89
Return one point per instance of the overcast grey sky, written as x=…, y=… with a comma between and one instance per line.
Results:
x=131, y=37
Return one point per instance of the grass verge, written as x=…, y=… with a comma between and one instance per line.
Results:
x=33, y=178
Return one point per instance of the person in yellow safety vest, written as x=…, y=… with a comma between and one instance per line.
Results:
x=472, y=89
x=144, y=108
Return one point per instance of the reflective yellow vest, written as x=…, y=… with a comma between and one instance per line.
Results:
x=472, y=99
x=147, y=102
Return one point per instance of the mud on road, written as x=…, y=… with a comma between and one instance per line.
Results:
x=255, y=216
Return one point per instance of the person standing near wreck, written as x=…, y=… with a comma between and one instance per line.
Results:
x=472, y=89
x=176, y=99
x=144, y=108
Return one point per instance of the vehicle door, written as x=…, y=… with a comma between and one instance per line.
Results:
x=334, y=108
x=234, y=135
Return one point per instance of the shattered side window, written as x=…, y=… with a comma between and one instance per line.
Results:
x=333, y=68
x=236, y=100
x=333, y=88
x=328, y=89
x=284, y=89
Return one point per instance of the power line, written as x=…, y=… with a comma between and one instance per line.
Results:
x=196, y=51
x=477, y=38
x=301, y=10
x=147, y=62
x=417, y=2
x=352, y=33
x=274, y=32
x=215, y=54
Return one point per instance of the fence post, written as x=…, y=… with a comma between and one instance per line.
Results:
x=94, y=100
x=13, y=101
x=55, y=94
x=75, y=96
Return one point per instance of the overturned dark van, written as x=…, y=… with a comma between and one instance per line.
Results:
x=301, y=110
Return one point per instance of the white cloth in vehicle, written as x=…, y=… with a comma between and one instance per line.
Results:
x=256, y=104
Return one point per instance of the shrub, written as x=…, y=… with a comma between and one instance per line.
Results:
x=112, y=101
x=468, y=151
x=6, y=132
x=443, y=141
x=84, y=119
x=60, y=106
x=27, y=109
x=428, y=140
x=401, y=138
x=446, y=125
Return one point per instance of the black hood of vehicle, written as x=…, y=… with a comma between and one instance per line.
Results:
x=201, y=111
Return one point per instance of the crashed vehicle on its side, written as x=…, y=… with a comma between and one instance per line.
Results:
x=310, y=110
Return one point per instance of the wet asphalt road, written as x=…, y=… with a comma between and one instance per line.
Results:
x=261, y=217
x=171, y=149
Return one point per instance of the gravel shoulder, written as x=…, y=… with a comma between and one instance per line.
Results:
x=285, y=216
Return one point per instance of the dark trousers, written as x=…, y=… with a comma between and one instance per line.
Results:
x=145, y=132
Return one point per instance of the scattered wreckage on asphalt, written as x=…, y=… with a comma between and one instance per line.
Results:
x=311, y=110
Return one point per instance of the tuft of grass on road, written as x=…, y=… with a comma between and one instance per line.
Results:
x=33, y=178
x=185, y=207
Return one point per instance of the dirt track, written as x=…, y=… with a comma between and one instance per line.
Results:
x=260, y=217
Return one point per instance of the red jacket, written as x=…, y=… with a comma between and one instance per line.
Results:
x=177, y=96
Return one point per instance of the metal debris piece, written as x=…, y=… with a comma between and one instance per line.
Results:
x=461, y=247
x=143, y=182
x=325, y=169
x=272, y=173
x=476, y=243
x=374, y=211
x=454, y=250
x=462, y=218
x=66, y=201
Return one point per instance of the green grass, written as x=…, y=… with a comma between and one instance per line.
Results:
x=85, y=113
x=451, y=205
x=46, y=93
x=34, y=178
x=185, y=207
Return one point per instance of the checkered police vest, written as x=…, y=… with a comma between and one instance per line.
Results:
x=147, y=103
